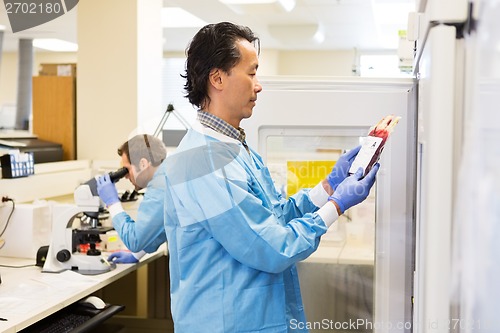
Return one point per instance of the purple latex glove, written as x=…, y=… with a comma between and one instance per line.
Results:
x=107, y=190
x=122, y=257
x=353, y=189
x=341, y=168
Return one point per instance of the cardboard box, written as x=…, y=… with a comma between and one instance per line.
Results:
x=57, y=70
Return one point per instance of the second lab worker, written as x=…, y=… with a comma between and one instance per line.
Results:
x=143, y=156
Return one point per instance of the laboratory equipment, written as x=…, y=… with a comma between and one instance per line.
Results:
x=28, y=229
x=113, y=176
x=457, y=61
x=363, y=268
x=171, y=137
x=16, y=164
x=62, y=254
x=43, y=151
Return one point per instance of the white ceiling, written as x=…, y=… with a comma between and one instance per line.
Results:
x=346, y=24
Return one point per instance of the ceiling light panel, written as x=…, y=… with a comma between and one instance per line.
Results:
x=290, y=33
x=259, y=6
x=176, y=17
x=56, y=45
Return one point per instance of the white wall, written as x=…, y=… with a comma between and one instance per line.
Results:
x=8, y=78
x=272, y=63
x=315, y=63
x=119, y=72
x=8, y=70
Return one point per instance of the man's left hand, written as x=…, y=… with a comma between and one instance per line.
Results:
x=107, y=190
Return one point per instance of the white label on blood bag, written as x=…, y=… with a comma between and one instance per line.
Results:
x=369, y=145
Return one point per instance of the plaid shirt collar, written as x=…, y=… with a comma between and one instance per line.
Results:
x=221, y=126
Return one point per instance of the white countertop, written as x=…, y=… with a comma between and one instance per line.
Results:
x=27, y=295
x=343, y=254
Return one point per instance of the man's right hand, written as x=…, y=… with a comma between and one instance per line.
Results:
x=353, y=189
x=122, y=257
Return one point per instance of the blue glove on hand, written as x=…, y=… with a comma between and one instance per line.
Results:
x=122, y=257
x=107, y=190
x=341, y=168
x=352, y=190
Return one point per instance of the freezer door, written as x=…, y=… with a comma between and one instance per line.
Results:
x=475, y=268
x=444, y=10
x=439, y=110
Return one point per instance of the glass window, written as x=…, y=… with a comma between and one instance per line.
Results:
x=382, y=65
x=337, y=281
x=173, y=92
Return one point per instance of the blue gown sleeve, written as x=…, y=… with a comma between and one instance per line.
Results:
x=147, y=232
x=237, y=208
x=296, y=205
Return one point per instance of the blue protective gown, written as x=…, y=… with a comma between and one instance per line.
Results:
x=233, y=241
x=147, y=232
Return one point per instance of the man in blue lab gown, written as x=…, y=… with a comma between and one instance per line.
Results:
x=143, y=156
x=233, y=240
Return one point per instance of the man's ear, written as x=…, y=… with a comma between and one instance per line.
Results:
x=215, y=78
x=143, y=164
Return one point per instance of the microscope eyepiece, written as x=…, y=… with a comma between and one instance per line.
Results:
x=114, y=176
x=118, y=174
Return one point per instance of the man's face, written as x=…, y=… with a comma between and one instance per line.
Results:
x=241, y=85
x=132, y=171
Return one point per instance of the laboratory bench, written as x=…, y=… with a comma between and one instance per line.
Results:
x=337, y=280
x=28, y=295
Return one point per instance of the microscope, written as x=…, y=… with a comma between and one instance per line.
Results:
x=62, y=252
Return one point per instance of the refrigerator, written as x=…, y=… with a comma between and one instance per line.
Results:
x=360, y=279
x=457, y=67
